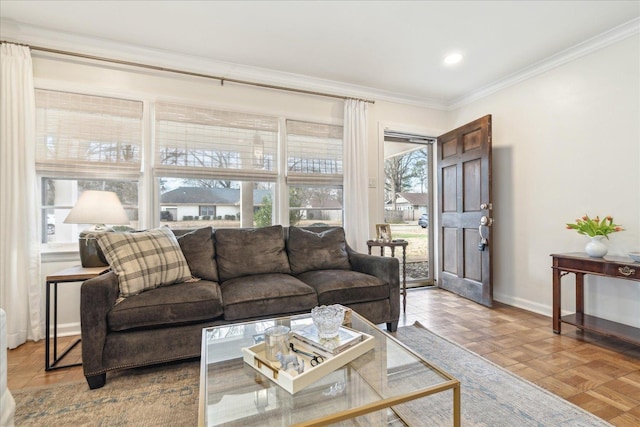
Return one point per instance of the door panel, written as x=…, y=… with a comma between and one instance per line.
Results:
x=450, y=247
x=472, y=140
x=449, y=148
x=449, y=189
x=471, y=184
x=472, y=256
x=464, y=185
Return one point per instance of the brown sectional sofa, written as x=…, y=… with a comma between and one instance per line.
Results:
x=243, y=274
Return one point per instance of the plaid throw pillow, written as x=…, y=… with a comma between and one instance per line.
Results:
x=144, y=260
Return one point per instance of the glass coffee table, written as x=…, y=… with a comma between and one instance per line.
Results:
x=388, y=385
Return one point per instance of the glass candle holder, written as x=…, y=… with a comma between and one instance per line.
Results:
x=276, y=340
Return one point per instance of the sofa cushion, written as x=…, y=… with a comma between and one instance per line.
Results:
x=265, y=295
x=247, y=251
x=345, y=287
x=144, y=260
x=309, y=250
x=197, y=247
x=183, y=303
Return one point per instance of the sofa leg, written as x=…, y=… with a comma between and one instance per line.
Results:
x=96, y=381
x=392, y=326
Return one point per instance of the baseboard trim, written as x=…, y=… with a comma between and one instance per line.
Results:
x=67, y=329
x=524, y=304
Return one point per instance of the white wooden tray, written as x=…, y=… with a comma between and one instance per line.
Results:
x=255, y=357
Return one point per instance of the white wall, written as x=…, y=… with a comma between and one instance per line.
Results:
x=565, y=143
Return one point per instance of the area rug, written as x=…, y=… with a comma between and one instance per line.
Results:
x=490, y=395
x=167, y=395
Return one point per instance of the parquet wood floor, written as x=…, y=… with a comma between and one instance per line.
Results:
x=599, y=374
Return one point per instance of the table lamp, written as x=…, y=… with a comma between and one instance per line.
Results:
x=97, y=208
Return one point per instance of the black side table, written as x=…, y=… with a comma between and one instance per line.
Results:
x=393, y=244
x=73, y=274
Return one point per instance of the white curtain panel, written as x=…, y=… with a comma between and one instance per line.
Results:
x=20, y=288
x=356, y=176
x=7, y=403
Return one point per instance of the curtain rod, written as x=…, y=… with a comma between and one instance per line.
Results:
x=188, y=73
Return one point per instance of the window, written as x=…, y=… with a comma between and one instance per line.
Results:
x=196, y=142
x=211, y=167
x=219, y=162
x=314, y=173
x=209, y=211
x=85, y=142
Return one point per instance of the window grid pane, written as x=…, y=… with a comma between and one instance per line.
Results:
x=60, y=195
x=87, y=136
x=311, y=205
x=192, y=203
x=195, y=141
x=314, y=149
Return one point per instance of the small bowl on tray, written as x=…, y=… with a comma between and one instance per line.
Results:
x=328, y=319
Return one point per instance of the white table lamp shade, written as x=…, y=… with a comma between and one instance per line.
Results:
x=97, y=207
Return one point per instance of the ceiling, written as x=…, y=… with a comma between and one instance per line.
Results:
x=385, y=49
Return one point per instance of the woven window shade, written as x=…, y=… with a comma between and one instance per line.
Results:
x=196, y=142
x=314, y=153
x=84, y=136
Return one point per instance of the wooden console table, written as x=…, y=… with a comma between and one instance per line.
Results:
x=581, y=264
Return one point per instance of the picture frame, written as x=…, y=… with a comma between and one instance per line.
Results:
x=383, y=232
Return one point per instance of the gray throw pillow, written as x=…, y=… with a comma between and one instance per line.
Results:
x=248, y=251
x=144, y=260
x=197, y=247
x=309, y=250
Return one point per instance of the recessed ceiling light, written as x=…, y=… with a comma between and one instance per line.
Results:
x=453, y=58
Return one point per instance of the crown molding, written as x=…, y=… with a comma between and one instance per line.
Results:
x=37, y=36
x=13, y=31
x=591, y=45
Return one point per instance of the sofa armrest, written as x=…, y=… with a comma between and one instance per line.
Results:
x=385, y=268
x=97, y=297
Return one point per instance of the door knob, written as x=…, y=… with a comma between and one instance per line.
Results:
x=485, y=220
x=483, y=240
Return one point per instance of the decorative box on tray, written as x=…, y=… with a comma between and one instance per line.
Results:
x=292, y=381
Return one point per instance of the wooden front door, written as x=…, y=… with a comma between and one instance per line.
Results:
x=464, y=211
